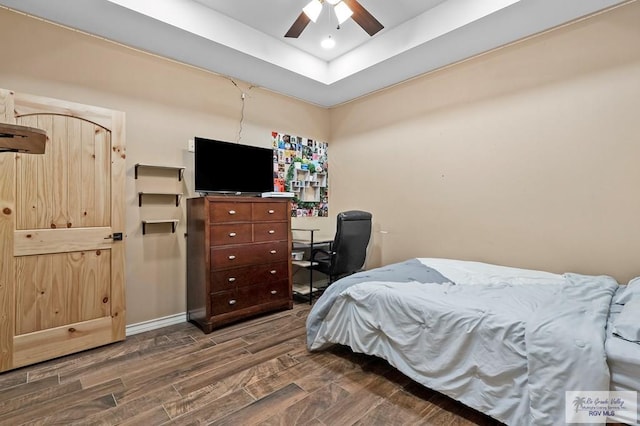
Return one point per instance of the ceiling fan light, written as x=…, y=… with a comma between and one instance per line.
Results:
x=343, y=12
x=313, y=9
x=328, y=43
x=333, y=2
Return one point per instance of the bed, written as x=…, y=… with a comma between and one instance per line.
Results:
x=505, y=341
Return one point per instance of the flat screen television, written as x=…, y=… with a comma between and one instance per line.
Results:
x=226, y=167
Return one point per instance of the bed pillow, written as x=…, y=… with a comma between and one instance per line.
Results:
x=625, y=296
x=627, y=323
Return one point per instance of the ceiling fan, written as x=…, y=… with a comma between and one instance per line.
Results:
x=344, y=9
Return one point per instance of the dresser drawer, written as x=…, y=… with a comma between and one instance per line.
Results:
x=229, y=212
x=234, y=233
x=242, y=277
x=226, y=301
x=270, y=231
x=247, y=254
x=270, y=211
x=269, y=292
x=231, y=300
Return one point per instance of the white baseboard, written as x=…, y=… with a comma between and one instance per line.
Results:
x=155, y=323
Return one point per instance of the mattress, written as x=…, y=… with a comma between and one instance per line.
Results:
x=623, y=357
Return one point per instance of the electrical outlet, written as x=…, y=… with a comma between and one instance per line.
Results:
x=191, y=146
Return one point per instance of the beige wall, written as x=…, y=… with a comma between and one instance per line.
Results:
x=526, y=156
x=165, y=104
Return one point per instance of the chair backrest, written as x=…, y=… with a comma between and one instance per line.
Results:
x=353, y=231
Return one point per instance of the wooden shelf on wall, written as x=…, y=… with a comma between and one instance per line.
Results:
x=178, y=196
x=179, y=169
x=173, y=222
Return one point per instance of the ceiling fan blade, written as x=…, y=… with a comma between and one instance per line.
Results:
x=298, y=26
x=363, y=18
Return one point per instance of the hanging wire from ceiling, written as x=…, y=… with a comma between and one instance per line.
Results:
x=243, y=97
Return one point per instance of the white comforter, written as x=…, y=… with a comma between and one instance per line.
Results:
x=504, y=341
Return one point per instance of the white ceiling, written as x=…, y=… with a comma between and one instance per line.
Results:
x=244, y=39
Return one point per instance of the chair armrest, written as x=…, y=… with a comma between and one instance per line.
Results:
x=315, y=252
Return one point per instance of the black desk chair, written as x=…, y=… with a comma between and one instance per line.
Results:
x=348, y=250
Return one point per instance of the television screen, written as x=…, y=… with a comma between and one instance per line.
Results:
x=232, y=167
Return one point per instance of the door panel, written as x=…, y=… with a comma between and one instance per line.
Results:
x=34, y=347
x=69, y=185
x=63, y=284
x=54, y=290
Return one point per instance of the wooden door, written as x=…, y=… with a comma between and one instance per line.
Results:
x=61, y=227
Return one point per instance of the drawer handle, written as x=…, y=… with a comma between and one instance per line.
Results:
x=271, y=231
x=273, y=252
x=232, y=279
x=232, y=257
x=232, y=234
x=232, y=301
x=273, y=272
x=272, y=211
x=232, y=212
x=274, y=291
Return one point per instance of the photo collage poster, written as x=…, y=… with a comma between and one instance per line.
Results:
x=300, y=166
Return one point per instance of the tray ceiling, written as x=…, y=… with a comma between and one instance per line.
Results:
x=244, y=39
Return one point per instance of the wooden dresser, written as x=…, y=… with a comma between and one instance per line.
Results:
x=238, y=258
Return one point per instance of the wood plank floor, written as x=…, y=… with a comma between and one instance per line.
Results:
x=254, y=372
